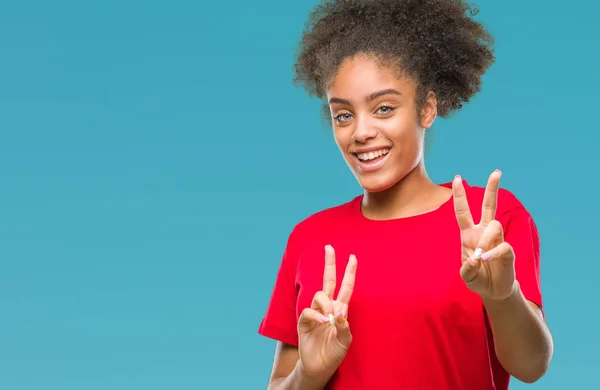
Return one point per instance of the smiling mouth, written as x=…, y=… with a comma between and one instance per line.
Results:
x=372, y=157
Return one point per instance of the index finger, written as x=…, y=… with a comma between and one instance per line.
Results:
x=347, y=286
x=461, y=204
x=329, y=273
x=490, y=198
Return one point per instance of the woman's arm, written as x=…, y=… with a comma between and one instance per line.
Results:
x=287, y=371
x=522, y=340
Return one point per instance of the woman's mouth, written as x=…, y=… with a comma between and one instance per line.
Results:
x=372, y=160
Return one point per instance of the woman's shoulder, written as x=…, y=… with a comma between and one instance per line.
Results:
x=328, y=218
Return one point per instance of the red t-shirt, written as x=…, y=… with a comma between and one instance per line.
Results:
x=415, y=324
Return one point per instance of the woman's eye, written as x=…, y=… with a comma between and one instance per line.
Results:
x=343, y=117
x=384, y=110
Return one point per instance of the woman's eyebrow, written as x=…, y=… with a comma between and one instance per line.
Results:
x=369, y=98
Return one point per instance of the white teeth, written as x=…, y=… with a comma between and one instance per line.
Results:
x=372, y=155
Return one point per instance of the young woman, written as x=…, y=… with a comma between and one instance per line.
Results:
x=411, y=285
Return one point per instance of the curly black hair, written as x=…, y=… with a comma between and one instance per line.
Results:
x=435, y=42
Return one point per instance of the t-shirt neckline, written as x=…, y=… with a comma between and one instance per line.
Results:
x=448, y=204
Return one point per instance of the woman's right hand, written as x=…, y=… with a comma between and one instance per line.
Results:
x=322, y=345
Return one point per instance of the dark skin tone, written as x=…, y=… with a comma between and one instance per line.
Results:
x=373, y=110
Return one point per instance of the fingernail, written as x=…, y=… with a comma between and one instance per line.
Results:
x=457, y=176
x=475, y=256
x=340, y=318
x=329, y=250
x=485, y=256
x=324, y=319
x=499, y=171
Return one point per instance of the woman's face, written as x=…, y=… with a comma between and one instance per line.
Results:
x=375, y=122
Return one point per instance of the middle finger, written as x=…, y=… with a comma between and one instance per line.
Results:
x=347, y=286
x=490, y=198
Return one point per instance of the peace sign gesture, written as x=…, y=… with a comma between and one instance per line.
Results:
x=487, y=260
x=323, y=332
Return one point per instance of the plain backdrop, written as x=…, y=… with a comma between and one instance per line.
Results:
x=154, y=157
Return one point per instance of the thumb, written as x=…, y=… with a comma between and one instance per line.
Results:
x=309, y=319
x=343, y=331
x=471, y=267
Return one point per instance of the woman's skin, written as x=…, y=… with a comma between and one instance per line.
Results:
x=374, y=109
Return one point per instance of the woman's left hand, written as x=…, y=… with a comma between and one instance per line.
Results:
x=487, y=260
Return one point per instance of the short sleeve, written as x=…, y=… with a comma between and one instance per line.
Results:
x=280, y=322
x=521, y=233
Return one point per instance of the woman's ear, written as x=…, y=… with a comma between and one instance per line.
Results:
x=429, y=110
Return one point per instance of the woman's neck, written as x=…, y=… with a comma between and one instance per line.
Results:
x=414, y=194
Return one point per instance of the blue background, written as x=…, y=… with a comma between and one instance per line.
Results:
x=154, y=156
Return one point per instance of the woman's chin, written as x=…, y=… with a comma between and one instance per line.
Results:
x=375, y=184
